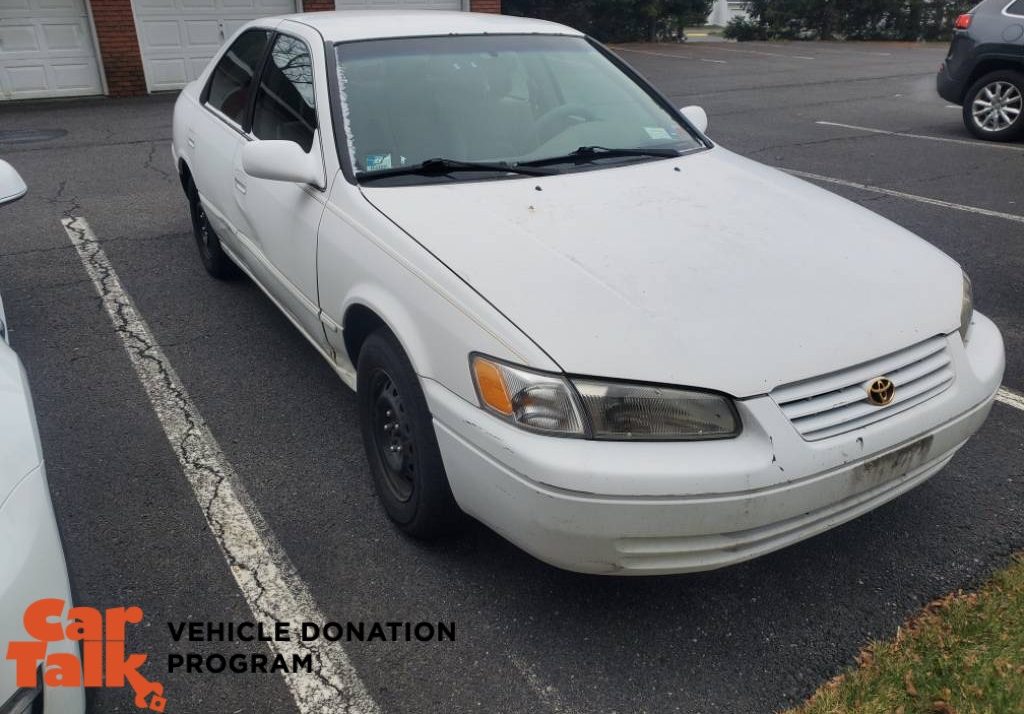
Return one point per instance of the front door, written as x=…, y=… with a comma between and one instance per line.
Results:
x=281, y=219
x=218, y=133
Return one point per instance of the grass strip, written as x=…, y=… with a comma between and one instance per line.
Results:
x=964, y=654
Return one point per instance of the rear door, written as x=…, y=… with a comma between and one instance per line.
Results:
x=1015, y=30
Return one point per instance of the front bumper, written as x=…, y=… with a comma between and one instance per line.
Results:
x=31, y=568
x=646, y=508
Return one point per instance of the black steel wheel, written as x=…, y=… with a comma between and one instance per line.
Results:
x=393, y=437
x=215, y=260
x=401, y=446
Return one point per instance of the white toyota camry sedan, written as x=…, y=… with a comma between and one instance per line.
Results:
x=565, y=311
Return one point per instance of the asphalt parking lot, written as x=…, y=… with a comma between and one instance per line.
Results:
x=862, y=120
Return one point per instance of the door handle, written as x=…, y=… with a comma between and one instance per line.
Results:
x=239, y=186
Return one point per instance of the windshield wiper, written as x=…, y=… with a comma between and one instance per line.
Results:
x=441, y=167
x=591, y=153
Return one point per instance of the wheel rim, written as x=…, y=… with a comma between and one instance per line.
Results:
x=392, y=437
x=997, y=106
x=203, y=229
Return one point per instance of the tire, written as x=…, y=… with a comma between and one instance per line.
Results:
x=401, y=446
x=1005, y=89
x=215, y=260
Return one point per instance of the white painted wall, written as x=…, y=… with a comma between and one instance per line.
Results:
x=725, y=10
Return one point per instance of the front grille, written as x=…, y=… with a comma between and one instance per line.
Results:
x=838, y=402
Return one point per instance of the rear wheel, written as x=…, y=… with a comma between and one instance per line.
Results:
x=398, y=435
x=994, y=106
x=215, y=260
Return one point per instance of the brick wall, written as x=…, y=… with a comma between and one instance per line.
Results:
x=119, y=47
x=316, y=5
x=485, y=5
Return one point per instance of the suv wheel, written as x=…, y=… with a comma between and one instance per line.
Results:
x=994, y=106
x=398, y=435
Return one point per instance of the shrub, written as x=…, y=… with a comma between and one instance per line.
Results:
x=744, y=30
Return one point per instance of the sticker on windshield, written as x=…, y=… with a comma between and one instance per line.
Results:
x=656, y=132
x=378, y=162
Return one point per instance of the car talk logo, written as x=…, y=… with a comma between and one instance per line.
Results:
x=103, y=662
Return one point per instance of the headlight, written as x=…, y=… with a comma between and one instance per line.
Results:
x=966, y=308
x=641, y=412
x=586, y=408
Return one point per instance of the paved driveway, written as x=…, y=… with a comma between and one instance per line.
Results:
x=861, y=119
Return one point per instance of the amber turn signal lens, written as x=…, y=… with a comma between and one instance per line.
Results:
x=492, y=386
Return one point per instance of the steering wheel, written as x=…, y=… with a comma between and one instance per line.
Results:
x=551, y=123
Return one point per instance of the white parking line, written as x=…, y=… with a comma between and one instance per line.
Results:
x=668, y=54
x=907, y=196
x=1010, y=398
x=905, y=135
x=265, y=575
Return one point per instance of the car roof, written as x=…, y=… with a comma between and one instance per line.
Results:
x=349, y=25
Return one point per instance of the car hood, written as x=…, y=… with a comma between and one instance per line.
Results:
x=709, y=270
x=19, y=440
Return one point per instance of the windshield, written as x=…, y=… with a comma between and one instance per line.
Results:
x=495, y=99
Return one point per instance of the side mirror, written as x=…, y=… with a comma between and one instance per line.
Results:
x=282, y=161
x=12, y=187
x=696, y=116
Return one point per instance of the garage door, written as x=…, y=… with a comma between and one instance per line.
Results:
x=46, y=50
x=404, y=4
x=179, y=37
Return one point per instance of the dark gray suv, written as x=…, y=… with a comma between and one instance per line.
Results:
x=984, y=71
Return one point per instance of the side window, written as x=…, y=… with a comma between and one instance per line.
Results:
x=1016, y=8
x=285, y=103
x=231, y=85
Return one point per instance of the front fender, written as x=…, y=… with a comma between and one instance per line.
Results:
x=364, y=259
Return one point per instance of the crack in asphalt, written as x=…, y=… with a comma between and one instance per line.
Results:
x=264, y=574
x=81, y=145
x=107, y=241
x=73, y=205
x=148, y=163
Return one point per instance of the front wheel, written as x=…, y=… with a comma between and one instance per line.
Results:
x=994, y=105
x=401, y=447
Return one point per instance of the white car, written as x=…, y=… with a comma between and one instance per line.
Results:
x=31, y=557
x=566, y=311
